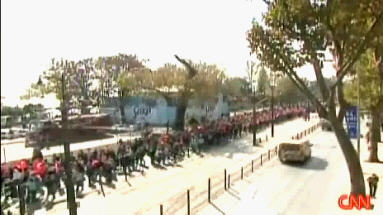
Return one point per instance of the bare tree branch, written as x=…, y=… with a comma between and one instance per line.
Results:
x=191, y=70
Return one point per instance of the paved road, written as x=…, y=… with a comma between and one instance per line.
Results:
x=298, y=189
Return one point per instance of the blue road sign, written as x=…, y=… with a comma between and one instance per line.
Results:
x=352, y=121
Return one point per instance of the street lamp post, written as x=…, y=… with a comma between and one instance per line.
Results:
x=254, y=120
x=272, y=111
x=272, y=85
x=252, y=77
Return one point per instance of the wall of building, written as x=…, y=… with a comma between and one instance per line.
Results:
x=203, y=110
x=156, y=111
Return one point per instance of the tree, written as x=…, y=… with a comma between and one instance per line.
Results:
x=369, y=82
x=208, y=82
x=176, y=85
x=263, y=82
x=300, y=32
x=31, y=111
x=85, y=78
x=235, y=87
x=12, y=113
x=60, y=79
x=112, y=68
x=287, y=92
x=314, y=87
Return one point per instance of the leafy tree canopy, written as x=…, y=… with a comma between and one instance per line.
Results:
x=367, y=77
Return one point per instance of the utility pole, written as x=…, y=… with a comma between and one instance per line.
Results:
x=254, y=110
x=272, y=108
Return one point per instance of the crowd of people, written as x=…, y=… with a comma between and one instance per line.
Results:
x=41, y=179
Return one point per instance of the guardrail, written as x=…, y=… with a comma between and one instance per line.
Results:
x=199, y=195
x=306, y=132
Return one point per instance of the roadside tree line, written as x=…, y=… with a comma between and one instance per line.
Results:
x=297, y=33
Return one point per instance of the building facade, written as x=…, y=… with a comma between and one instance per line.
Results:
x=156, y=111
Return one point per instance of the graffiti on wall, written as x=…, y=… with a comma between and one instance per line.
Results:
x=142, y=110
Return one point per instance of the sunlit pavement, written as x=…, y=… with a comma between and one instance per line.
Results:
x=156, y=186
x=312, y=188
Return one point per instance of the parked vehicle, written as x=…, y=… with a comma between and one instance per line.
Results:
x=5, y=133
x=18, y=132
x=294, y=151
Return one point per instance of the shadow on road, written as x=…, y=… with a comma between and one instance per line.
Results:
x=234, y=195
x=314, y=163
x=217, y=208
x=229, y=149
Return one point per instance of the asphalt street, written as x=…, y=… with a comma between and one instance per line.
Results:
x=298, y=188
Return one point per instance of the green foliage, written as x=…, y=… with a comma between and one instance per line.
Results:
x=170, y=79
x=298, y=32
x=314, y=87
x=32, y=111
x=86, y=82
x=119, y=73
x=368, y=79
x=287, y=92
x=208, y=82
x=235, y=87
x=262, y=82
x=11, y=111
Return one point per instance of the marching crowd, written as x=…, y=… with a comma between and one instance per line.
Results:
x=42, y=177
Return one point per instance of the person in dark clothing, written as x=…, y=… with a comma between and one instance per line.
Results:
x=373, y=184
x=78, y=176
x=82, y=156
x=51, y=183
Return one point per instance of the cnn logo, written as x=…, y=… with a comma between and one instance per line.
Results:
x=358, y=203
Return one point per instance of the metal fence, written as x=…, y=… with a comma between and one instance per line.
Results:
x=199, y=195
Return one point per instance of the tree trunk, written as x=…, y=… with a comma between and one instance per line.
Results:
x=64, y=117
x=122, y=107
x=180, y=116
x=353, y=163
x=84, y=109
x=375, y=135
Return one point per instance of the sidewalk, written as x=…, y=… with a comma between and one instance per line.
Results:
x=369, y=168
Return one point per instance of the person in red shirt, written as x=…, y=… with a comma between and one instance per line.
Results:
x=39, y=168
